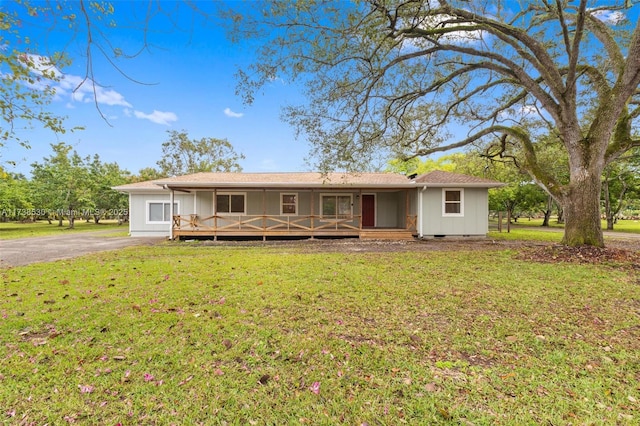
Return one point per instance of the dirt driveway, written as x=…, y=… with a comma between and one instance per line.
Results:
x=24, y=251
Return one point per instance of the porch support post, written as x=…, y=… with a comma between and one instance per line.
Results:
x=172, y=213
x=215, y=214
x=264, y=214
x=361, y=212
x=406, y=209
x=312, y=213
x=420, y=218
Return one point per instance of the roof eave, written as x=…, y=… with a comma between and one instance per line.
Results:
x=254, y=185
x=461, y=185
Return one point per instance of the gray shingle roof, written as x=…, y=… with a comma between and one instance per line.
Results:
x=439, y=177
x=308, y=180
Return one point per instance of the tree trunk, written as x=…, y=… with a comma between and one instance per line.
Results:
x=545, y=221
x=582, y=211
x=547, y=211
x=560, y=214
x=607, y=203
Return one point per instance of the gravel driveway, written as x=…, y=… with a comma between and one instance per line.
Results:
x=24, y=251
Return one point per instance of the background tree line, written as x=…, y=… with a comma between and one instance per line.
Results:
x=66, y=185
x=521, y=197
x=395, y=78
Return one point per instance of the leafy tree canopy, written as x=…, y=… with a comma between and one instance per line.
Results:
x=26, y=79
x=418, y=77
x=182, y=155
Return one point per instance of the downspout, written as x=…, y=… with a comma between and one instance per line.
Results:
x=130, y=215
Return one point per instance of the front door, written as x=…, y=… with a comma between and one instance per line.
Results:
x=368, y=210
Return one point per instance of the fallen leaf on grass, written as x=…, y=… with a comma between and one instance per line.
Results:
x=188, y=379
x=264, y=379
x=416, y=339
x=507, y=376
x=85, y=388
x=315, y=388
x=444, y=413
x=39, y=341
x=431, y=387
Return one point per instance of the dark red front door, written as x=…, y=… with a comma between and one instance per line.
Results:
x=368, y=210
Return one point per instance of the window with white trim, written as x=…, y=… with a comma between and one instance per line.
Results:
x=289, y=204
x=231, y=203
x=336, y=206
x=160, y=211
x=453, y=202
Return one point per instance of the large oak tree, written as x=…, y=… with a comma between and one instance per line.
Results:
x=419, y=77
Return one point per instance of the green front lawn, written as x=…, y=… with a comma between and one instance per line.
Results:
x=196, y=334
x=42, y=228
x=621, y=226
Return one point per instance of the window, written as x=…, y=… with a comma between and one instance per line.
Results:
x=230, y=203
x=288, y=204
x=453, y=202
x=336, y=206
x=160, y=211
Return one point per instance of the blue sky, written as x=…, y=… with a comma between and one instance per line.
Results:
x=188, y=75
x=184, y=81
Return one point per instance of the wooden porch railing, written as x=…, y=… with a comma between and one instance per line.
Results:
x=264, y=222
x=272, y=225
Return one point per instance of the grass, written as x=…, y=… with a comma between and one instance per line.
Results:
x=11, y=230
x=194, y=334
x=632, y=226
x=531, y=230
x=526, y=234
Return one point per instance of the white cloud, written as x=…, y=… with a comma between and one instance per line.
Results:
x=521, y=112
x=229, y=113
x=81, y=90
x=74, y=88
x=158, y=117
x=611, y=17
x=454, y=37
x=68, y=86
x=40, y=65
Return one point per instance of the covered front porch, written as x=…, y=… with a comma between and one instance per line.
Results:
x=292, y=213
